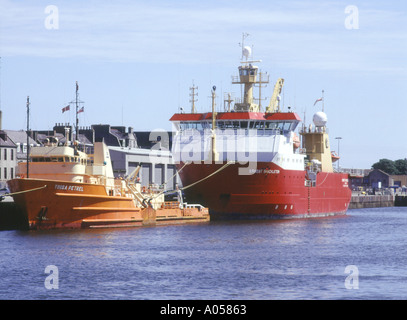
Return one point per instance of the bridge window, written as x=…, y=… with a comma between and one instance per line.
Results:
x=191, y=125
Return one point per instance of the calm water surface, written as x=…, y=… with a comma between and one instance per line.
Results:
x=294, y=259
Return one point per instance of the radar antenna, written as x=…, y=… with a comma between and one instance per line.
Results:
x=246, y=50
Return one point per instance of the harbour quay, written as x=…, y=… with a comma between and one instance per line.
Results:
x=377, y=201
x=10, y=217
x=372, y=201
x=374, y=188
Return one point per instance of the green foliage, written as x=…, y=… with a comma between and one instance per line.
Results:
x=401, y=166
x=397, y=167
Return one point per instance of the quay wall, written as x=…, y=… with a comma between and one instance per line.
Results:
x=10, y=217
x=400, y=201
x=371, y=201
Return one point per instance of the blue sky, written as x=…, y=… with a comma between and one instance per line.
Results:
x=136, y=60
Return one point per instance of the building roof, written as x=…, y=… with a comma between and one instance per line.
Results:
x=375, y=171
x=5, y=140
x=143, y=139
x=20, y=137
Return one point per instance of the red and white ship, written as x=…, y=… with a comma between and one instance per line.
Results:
x=247, y=163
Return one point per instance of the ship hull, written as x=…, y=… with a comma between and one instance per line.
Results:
x=51, y=204
x=269, y=192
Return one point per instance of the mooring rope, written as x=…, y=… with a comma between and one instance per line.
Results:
x=196, y=182
x=207, y=177
x=25, y=191
x=185, y=164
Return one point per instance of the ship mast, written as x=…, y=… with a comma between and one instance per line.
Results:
x=28, y=138
x=77, y=106
x=229, y=100
x=214, y=153
x=77, y=102
x=248, y=76
x=192, y=95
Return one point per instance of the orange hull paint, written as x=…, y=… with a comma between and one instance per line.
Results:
x=60, y=204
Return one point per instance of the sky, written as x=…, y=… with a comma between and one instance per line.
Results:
x=135, y=62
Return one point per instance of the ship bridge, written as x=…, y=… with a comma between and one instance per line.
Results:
x=276, y=123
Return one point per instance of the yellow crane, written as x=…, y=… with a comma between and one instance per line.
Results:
x=274, y=105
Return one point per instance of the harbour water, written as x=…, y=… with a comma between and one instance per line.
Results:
x=362, y=255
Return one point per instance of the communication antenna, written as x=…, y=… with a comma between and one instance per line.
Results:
x=192, y=95
x=246, y=51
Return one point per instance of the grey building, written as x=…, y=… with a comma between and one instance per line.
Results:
x=152, y=153
x=148, y=149
x=156, y=166
x=128, y=149
x=19, y=138
x=380, y=179
x=8, y=159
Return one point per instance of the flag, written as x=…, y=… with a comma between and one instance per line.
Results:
x=65, y=109
x=320, y=99
x=81, y=110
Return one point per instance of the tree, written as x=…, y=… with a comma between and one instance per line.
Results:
x=401, y=166
x=392, y=167
x=386, y=165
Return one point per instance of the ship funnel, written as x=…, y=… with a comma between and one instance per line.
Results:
x=66, y=136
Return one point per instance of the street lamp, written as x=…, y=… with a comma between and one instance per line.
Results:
x=339, y=139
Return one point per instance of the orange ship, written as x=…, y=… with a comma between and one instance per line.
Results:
x=66, y=188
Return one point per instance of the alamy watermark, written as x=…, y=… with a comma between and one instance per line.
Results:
x=352, y=18
x=196, y=146
x=52, y=19
x=352, y=280
x=52, y=280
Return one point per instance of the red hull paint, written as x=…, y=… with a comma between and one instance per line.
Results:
x=271, y=192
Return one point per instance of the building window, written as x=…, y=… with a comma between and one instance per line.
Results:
x=5, y=154
x=5, y=173
x=11, y=173
x=12, y=154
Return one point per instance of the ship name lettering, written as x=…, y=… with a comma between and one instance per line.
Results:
x=271, y=171
x=70, y=188
x=345, y=182
x=267, y=171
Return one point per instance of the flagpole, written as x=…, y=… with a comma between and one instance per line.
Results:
x=322, y=100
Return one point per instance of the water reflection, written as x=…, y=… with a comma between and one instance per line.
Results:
x=286, y=259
